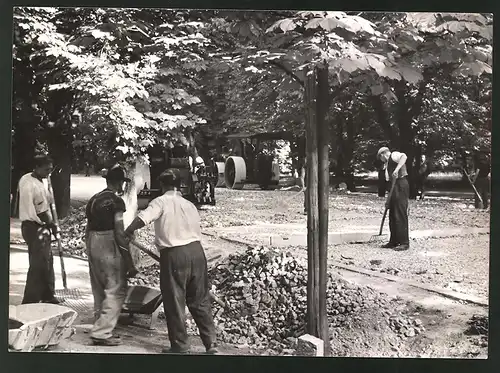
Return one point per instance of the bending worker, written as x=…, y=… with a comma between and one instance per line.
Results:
x=36, y=225
x=183, y=265
x=398, y=201
x=109, y=259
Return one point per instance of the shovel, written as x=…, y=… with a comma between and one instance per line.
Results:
x=378, y=236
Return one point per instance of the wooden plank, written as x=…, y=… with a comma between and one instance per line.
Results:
x=323, y=199
x=313, y=326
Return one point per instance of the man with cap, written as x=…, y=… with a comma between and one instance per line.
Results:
x=36, y=227
x=109, y=259
x=183, y=265
x=397, y=202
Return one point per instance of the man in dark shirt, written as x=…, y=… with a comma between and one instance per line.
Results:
x=398, y=201
x=481, y=179
x=109, y=259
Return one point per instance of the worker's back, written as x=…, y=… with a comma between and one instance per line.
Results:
x=178, y=220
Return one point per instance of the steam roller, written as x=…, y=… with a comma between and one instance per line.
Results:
x=220, y=169
x=235, y=172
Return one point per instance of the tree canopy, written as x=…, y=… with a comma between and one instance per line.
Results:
x=121, y=80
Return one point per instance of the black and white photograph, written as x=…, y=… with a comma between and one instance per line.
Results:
x=250, y=182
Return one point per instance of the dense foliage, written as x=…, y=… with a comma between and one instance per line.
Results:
x=105, y=85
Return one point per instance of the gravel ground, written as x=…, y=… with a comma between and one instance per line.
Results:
x=248, y=207
x=458, y=263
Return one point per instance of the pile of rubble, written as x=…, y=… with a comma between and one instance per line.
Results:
x=478, y=325
x=267, y=290
x=73, y=233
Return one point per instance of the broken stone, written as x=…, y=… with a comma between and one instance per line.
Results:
x=410, y=332
x=309, y=345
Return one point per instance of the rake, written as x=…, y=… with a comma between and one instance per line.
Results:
x=58, y=235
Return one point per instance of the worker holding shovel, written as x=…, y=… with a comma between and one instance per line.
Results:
x=36, y=227
x=397, y=201
x=183, y=264
x=109, y=259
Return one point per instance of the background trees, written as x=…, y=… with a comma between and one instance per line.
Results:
x=120, y=80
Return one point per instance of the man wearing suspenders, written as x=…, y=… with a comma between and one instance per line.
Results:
x=398, y=201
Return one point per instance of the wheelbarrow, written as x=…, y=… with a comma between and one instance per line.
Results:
x=146, y=300
x=39, y=325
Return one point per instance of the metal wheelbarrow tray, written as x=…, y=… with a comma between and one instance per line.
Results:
x=39, y=325
x=143, y=300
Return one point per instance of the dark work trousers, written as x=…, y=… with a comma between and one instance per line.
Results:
x=40, y=282
x=483, y=188
x=398, y=213
x=184, y=281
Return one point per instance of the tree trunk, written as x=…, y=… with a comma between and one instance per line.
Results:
x=406, y=133
x=339, y=169
x=140, y=175
x=349, y=154
x=384, y=119
x=59, y=141
x=23, y=153
x=313, y=323
x=323, y=133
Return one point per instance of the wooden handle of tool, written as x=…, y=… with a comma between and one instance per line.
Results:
x=145, y=250
x=387, y=208
x=53, y=210
x=472, y=185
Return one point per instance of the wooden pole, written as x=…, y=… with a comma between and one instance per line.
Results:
x=313, y=326
x=323, y=134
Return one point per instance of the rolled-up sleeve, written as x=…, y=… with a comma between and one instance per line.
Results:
x=152, y=212
x=40, y=201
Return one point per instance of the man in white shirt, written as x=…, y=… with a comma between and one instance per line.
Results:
x=183, y=265
x=36, y=227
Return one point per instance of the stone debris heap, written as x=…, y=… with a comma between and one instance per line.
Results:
x=267, y=290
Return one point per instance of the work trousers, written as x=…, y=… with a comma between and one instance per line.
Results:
x=40, y=281
x=108, y=280
x=184, y=281
x=483, y=188
x=398, y=213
